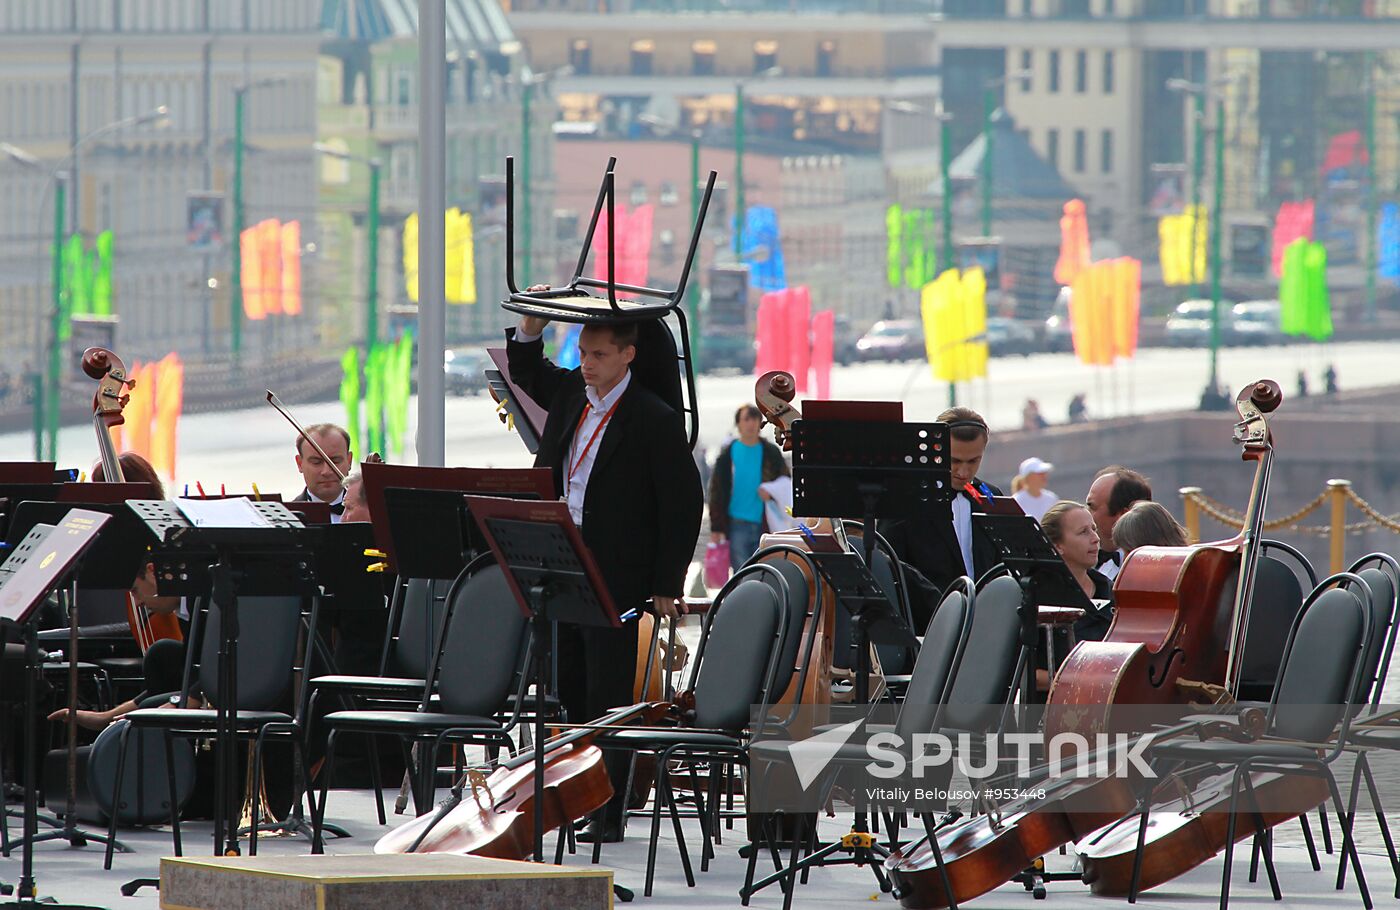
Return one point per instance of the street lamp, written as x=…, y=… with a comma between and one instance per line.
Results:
x=769, y=73
x=528, y=81
x=989, y=108
x=1211, y=398
x=236, y=278
x=46, y=386
x=371, y=241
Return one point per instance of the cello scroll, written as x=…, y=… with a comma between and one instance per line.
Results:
x=773, y=393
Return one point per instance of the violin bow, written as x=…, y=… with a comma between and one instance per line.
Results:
x=276, y=402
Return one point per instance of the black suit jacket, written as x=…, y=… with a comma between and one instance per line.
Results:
x=643, y=503
x=928, y=547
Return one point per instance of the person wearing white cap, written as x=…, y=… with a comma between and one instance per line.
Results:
x=1031, y=494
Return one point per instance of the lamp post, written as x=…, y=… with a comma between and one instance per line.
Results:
x=371, y=241
x=739, y=208
x=240, y=93
x=47, y=383
x=528, y=81
x=1211, y=398
x=989, y=109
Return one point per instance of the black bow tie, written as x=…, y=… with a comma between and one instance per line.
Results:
x=1112, y=556
x=337, y=508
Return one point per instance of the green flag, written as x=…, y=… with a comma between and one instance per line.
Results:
x=1318, y=325
x=894, y=249
x=350, y=395
x=1292, y=304
x=374, y=399
x=1304, y=308
x=397, y=383
x=101, y=281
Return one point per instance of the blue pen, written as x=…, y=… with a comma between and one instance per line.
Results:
x=806, y=532
x=630, y=614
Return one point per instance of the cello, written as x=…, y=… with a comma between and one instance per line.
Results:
x=113, y=392
x=1180, y=617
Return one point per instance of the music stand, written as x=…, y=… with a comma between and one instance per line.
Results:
x=40, y=565
x=528, y=416
x=26, y=472
x=861, y=458
x=554, y=578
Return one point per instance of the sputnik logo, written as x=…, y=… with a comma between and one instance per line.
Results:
x=811, y=756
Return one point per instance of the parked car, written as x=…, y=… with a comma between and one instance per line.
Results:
x=893, y=339
x=844, y=341
x=1256, y=322
x=465, y=369
x=1189, y=324
x=1058, y=333
x=1009, y=336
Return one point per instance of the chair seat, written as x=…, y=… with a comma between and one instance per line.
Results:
x=1227, y=751
x=1375, y=737
x=202, y=718
x=370, y=683
x=780, y=750
x=657, y=740
x=406, y=721
x=126, y=666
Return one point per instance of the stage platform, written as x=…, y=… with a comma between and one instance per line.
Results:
x=75, y=875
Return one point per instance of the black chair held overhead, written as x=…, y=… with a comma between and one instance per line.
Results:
x=1317, y=685
x=265, y=676
x=468, y=683
x=736, y=667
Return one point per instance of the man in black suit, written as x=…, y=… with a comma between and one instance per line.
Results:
x=935, y=551
x=621, y=460
x=323, y=478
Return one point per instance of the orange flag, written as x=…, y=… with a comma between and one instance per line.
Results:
x=139, y=411
x=251, y=273
x=270, y=259
x=1074, y=242
x=291, y=268
x=169, y=401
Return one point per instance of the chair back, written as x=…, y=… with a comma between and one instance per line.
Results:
x=741, y=643
x=895, y=660
x=1278, y=595
x=267, y=651
x=481, y=651
x=945, y=640
x=1322, y=659
x=1382, y=575
x=986, y=677
x=795, y=590
x=420, y=624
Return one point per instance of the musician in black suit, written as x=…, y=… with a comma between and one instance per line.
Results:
x=935, y=551
x=322, y=478
x=621, y=460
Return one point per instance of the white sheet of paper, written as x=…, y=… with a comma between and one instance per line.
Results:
x=222, y=513
x=779, y=507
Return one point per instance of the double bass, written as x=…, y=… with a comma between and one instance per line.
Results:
x=1178, y=623
x=113, y=392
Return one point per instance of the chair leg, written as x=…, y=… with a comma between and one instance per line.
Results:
x=657, y=797
x=680, y=834
x=790, y=883
x=1136, y=881
x=318, y=813
x=376, y=776
x=754, y=847
x=1348, y=842
x=1353, y=796
x=257, y=782
x=1308, y=840
x=1263, y=839
x=1230, y=838
x=117, y=796
x=1365, y=767
x=170, y=782
x=1326, y=826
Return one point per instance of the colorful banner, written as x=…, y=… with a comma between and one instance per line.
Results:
x=954, y=309
x=459, y=257
x=1074, y=242
x=350, y=395
x=823, y=351
x=1105, y=303
x=763, y=249
x=1174, y=234
x=169, y=403
x=632, y=234
x=1388, y=241
x=271, y=268
x=1302, y=292
x=1294, y=220
x=911, y=246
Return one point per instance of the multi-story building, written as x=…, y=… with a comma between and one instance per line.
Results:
x=70, y=70
x=368, y=106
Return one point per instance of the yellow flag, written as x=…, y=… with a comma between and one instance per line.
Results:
x=954, y=308
x=460, y=257
x=410, y=256
x=1174, y=235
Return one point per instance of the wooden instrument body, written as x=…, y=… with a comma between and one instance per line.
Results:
x=496, y=817
x=816, y=688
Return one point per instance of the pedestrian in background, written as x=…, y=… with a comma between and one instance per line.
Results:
x=1029, y=486
x=737, y=499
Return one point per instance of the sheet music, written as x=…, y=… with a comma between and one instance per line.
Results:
x=222, y=513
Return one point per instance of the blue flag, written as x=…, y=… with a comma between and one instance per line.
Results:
x=1388, y=242
x=763, y=249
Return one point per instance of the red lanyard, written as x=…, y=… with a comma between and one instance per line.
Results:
x=592, y=439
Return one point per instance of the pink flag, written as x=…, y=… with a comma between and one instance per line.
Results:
x=632, y=237
x=770, y=335
x=1294, y=220
x=799, y=323
x=823, y=351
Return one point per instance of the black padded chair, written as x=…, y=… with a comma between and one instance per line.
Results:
x=737, y=666
x=265, y=674
x=468, y=684
x=1312, y=702
x=1284, y=578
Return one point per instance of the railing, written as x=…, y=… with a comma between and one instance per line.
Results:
x=1338, y=493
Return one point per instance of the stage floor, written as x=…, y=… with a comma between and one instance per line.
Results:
x=76, y=875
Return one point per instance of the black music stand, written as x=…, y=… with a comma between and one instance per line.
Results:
x=112, y=562
x=228, y=563
x=41, y=564
x=859, y=458
x=552, y=574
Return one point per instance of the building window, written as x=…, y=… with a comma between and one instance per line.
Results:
x=1052, y=146
x=581, y=56
x=1108, y=7
x=1080, y=150
x=1106, y=152
x=404, y=88
x=1108, y=72
x=638, y=196
x=1081, y=71
x=765, y=55
x=642, y=53
x=1026, y=58
x=1054, y=72
x=668, y=195
x=702, y=57
x=826, y=58
x=1027, y=8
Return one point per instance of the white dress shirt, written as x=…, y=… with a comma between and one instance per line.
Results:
x=962, y=527
x=580, y=461
x=339, y=500
x=1110, y=569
